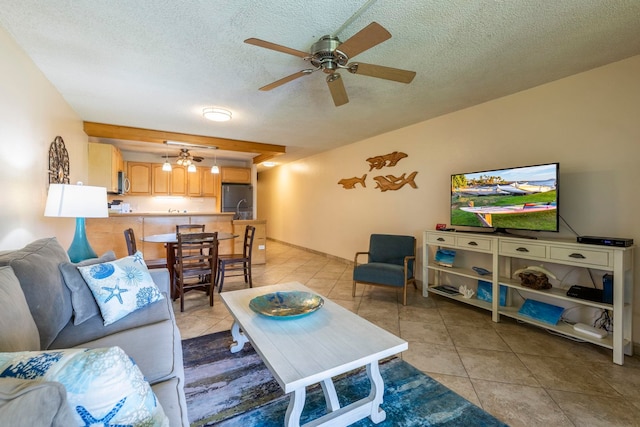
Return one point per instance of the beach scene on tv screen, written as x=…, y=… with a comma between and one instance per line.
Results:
x=523, y=198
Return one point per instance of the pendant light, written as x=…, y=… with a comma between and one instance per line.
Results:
x=215, y=169
x=191, y=168
x=166, y=166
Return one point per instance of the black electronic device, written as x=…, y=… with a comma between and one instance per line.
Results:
x=606, y=241
x=584, y=292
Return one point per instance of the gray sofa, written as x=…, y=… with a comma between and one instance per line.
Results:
x=55, y=317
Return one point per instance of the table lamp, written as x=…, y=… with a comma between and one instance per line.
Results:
x=79, y=202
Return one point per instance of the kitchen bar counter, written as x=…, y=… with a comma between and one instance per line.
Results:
x=107, y=234
x=113, y=213
x=259, y=252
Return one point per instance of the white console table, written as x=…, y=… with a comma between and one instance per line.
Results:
x=504, y=255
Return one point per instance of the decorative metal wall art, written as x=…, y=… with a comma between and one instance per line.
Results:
x=386, y=182
x=58, y=162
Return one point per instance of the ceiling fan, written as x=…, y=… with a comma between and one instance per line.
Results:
x=185, y=158
x=329, y=54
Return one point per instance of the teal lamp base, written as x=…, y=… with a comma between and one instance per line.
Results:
x=80, y=248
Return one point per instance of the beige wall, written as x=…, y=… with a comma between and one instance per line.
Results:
x=32, y=114
x=589, y=122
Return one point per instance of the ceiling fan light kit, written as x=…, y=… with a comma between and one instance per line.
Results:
x=185, y=158
x=329, y=54
x=216, y=114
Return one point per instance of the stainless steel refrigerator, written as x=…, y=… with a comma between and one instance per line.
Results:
x=238, y=198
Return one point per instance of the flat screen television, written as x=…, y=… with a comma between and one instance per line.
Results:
x=517, y=198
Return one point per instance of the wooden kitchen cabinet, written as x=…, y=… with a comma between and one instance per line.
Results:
x=139, y=176
x=105, y=161
x=210, y=183
x=166, y=183
x=194, y=182
x=231, y=175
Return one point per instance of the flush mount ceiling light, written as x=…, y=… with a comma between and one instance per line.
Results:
x=216, y=114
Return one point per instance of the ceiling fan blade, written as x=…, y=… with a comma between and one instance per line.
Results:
x=370, y=36
x=285, y=80
x=276, y=47
x=381, y=72
x=336, y=87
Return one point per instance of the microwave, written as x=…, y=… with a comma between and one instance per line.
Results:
x=123, y=183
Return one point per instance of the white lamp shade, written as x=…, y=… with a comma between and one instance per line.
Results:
x=76, y=201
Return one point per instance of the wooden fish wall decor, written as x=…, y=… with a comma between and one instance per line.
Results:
x=388, y=160
x=350, y=183
x=390, y=182
x=384, y=183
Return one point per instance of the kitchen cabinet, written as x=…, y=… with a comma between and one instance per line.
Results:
x=139, y=176
x=166, y=183
x=105, y=161
x=231, y=175
x=210, y=183
x=195, y=186
x=149, y=179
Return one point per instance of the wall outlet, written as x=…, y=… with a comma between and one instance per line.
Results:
x=261, y=247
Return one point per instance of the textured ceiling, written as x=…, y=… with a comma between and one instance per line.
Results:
x=156, y=64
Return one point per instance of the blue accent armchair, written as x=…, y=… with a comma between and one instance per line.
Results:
x=391, y=262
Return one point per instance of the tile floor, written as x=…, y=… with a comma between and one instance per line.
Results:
x=522, y=375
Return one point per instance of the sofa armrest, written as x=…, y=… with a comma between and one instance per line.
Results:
x=160, y=277
x=34, y=403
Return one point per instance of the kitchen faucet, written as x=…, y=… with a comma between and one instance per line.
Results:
x=238, y=205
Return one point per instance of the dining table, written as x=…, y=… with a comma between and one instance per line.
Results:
x=170, y=240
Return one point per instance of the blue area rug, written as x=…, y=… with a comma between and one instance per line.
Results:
x=225, y=389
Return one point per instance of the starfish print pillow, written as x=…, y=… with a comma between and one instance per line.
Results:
x=121, y=287
x=104, y=386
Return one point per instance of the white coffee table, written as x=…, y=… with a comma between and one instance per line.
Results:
x=312, y=349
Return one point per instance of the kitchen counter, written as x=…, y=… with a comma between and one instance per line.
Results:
x=165, y=213
x=259, y=251
x=107, y=234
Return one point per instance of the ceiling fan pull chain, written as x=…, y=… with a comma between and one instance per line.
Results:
x=354, y=16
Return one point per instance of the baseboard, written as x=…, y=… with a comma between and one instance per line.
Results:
x=302, y=248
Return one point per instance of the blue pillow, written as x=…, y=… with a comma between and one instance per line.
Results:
x=121, y=287
x=104, y=387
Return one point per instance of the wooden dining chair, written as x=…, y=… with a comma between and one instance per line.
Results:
x=196, y=264
x=132, y=248
x=189, y=228
x=237, y=264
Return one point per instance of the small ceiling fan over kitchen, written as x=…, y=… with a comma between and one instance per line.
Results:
x=329, y=54
x=185, y=158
